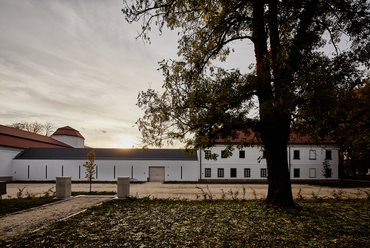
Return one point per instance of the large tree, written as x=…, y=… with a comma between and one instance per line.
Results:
x=343, y=118
x=202, y=103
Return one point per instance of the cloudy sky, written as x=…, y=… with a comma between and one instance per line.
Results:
x=77, y=63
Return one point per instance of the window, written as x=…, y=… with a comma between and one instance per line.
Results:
x=247, y=172
x=220, y=172
x=207, y=152
x=296, y=154
x=312, y=172
x=207, y=172
x=233, y=172
x=223, y=154
x=328, y=173
x=263, y=173
x=296, y=173
x=241, y=154
x=328, y=154
x=312, y=154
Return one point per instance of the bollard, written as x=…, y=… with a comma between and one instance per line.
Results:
x=63, y=187
x=123, y=187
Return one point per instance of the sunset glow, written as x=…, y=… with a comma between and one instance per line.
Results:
x=125, y=142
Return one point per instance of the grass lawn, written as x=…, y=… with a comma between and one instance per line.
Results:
x=174, y=223
x=8, y=206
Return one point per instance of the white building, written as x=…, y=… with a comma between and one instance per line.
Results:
x=26, y=156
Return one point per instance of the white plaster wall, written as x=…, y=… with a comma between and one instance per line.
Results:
x=252, y=161
x=304, y=163
x=252, y=155
x=6, y=160
x=76, y=142
x=107, y=170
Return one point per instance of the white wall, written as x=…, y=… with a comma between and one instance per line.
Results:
x=252, y=161
x=304, y=163
x=74, y=141
x=107, y=170
x=253, y=155
x=6, y=160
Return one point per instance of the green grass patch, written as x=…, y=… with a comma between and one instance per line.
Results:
x=8, y=206
x=171, y=223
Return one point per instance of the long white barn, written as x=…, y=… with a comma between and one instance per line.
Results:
x=26, y=156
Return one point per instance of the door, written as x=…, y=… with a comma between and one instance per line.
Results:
x=156, y=174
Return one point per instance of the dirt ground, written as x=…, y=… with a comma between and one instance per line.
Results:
x=31, y=220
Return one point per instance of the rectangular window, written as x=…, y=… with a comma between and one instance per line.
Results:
x=328, y=173
x=312, y=154
x=296, y=154
x=296, y=173
x=233, y=172
x=328, y=154
x=223, y=154
x=207, y=153
x=247, y=172
x=46, y=171
x=241, y=154
x=312, y=173
x=220, y=172
x=207, y=172
x=263, y=173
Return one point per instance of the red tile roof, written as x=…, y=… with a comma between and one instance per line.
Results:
x=293, y=139
x=11, y=137
x=67, y=130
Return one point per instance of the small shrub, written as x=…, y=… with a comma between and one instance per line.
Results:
x=254, y=193
x=49, y=192
x=233, y=195
x=20, y=192
x=299, y=194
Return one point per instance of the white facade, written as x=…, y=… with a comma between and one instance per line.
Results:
x=74, y=141
x=107, y=170
x=305, y=162
x=6, y=161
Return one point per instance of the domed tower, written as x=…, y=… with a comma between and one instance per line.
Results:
x=69, y=136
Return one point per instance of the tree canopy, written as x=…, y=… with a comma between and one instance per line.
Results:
x=202, y=103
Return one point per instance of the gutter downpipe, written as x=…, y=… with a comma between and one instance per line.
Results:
x=200, y=164
x=289, y=164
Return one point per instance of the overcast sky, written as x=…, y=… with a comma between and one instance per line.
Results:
x=77, y=63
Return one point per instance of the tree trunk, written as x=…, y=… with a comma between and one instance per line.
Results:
x=275, y=141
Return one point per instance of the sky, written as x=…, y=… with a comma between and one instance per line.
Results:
x=77, y=63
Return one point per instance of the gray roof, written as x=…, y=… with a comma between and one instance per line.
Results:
x=105, y=154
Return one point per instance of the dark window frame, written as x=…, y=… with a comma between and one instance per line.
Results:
x=295, y=153
x=328, y=155
x=233, y=172
x=296, y=173
x=263, y=172
x=223, y=154
x=247, y=172
x=220, y=172
x=207, y=172
x=242, y=154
